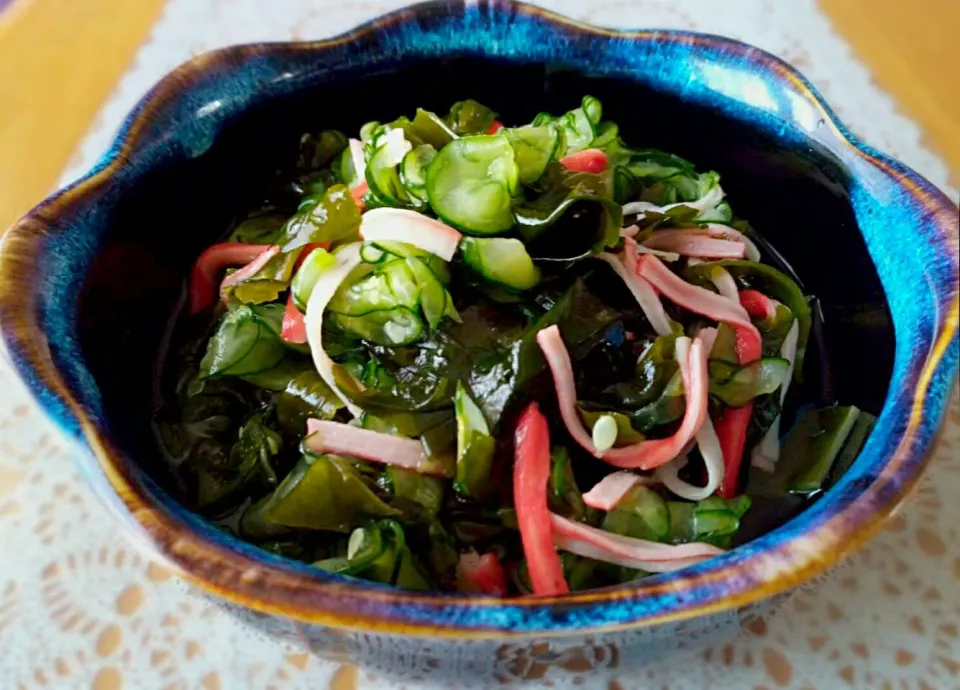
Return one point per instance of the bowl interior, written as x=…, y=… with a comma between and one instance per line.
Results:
x=795, y=197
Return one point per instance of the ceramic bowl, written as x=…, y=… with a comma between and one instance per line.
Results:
x=90, y=276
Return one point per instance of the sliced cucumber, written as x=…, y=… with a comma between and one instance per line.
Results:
x=368, y=130
x=592, y=109
x=501, y=260
x=534, y=148
x=471, y=183
x=542, y=119
x=404, y=251
x=381, y=173
x=371, y=293
x=244, y=343
x=433, y=296
x=394, y=327
x=640, y=514
x=372, y=254
x=413, y=170
x=579, y=130
x=607, y=133
x=403, y=283
x=318, y=262
x=401, y=249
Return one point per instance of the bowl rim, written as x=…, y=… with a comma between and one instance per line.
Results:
x=276, y=586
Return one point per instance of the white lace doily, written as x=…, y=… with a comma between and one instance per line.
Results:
x=79, y=609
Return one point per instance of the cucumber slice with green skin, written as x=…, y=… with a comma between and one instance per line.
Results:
x=316, y=264
x=433, y=296
x=404, y=250
x=640, y=514
x=368, y=130
x=382, y=174
x=534, y=148
x=401, y=249
x=579, y=130
x=394, y=327
x=501, y=260
x=542, y=119
x=607, y=133
x=722, y=213
x=372, y=254
x=390, y=285
x=244, y=343
x=592, y=108
x=403, y=283
x=370, y=293
x=413, y=170
x=471, y=184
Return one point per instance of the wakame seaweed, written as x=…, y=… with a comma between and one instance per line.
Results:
x=452, y=354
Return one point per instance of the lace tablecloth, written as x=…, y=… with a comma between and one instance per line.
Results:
x=81, y=609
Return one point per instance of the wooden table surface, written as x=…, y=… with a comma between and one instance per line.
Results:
x=60, y=59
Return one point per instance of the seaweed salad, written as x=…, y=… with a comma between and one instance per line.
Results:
x=490, y=359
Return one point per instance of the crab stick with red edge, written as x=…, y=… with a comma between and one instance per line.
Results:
x=335, y=437
x=625, y=266
x=588, y=160
x=757, y=304
x=214, y=261
x=691, y=297
x=478, y=574
x=609, y=491
x=494, y=127
x=250, y=270
x=402, y=225
x=695, y=244
x=294, y=327
x=531, y=472
x=358, y=192
x=734, y=421
x=608, y=547
x=646, y=454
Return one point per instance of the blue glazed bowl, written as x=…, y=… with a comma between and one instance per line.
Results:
x=89, y=278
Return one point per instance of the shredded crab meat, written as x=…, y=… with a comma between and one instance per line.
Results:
x=335, y=437
x=696, y=243
x=609, y=491
x=646, y=454
x=692, y=297
x=251, y=269
x=403, y=225
x=709, y=446
x=725, y=231
x=641, y=554
x=641, y=290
